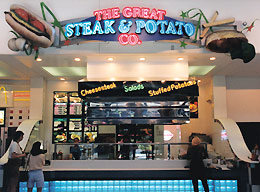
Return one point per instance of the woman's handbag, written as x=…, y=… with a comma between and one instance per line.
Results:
x=26, y=171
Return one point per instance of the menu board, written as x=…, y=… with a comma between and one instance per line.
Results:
x=90, y=132
x=75, y=124
x=60, y=103
x=2, y=117
x=60, y=130
x=60, y=108
x=73, y=135
x=75, y=104
x=75, y=108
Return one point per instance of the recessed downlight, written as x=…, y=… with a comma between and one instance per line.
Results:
x=110, y=59
x=212, y=58
x=62, y=79
x=39, y=59
x=180, y=58
x=76, y=59
x=142, y=59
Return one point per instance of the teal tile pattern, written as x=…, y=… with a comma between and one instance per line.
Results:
x=132, y=186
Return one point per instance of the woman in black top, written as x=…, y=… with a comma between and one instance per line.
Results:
x=196, y=153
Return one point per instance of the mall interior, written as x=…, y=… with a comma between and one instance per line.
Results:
x=132, y=75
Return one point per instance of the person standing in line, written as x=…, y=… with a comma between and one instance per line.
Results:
x=14, y=162
x=36, y=161
x=196, y=153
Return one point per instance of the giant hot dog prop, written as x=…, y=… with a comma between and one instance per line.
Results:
x=30, y=26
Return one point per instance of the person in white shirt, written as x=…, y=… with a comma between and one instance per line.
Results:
x=36, y=161
x=14, y=162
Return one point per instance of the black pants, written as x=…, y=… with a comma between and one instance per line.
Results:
x=196, y=184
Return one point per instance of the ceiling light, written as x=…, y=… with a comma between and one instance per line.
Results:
x=141, y=79
x=76, y=59
x=110, y=59
x=180, y=58
x=212, y=58
x=38, y=59
x=141, y=58
x=62, y=79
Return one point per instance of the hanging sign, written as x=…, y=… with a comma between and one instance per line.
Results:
x=137, y=89
x=131, y=25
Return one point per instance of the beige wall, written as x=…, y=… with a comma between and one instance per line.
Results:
x=204, y=123
x=243, y=95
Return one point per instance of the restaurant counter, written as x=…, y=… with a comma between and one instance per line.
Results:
x=83, y=170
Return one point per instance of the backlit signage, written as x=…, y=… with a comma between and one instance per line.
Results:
x=98, y=89
x=131, y=25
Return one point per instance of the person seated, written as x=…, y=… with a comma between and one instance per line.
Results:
x=75, y=150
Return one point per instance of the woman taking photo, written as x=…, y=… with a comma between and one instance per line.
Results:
x=36, y=161
x=14, y=162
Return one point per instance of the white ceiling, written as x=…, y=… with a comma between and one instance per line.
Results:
x=22, y=67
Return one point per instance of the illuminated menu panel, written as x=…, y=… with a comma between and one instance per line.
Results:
x=60, y=130
x=90, y=132
x=75, y=124
x=60, y=108
x=75, y=108
x=73, y=135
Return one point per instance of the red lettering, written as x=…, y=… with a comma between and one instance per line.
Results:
x=153, y=14
x=161, y=14
x=115, y=12
x=123, y=39
x=110, y=13
x=131, y=39
x=145, y=13
x=98, y=14
x=136, y=12
x=127, y=12
x=106, y=14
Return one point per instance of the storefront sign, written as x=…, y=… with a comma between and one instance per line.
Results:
x=136, y=89
x=131, y=26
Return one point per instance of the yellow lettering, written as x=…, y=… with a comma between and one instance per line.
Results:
x=81, y=92
x=150, y=93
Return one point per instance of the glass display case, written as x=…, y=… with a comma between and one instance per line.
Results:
x=139, y=112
